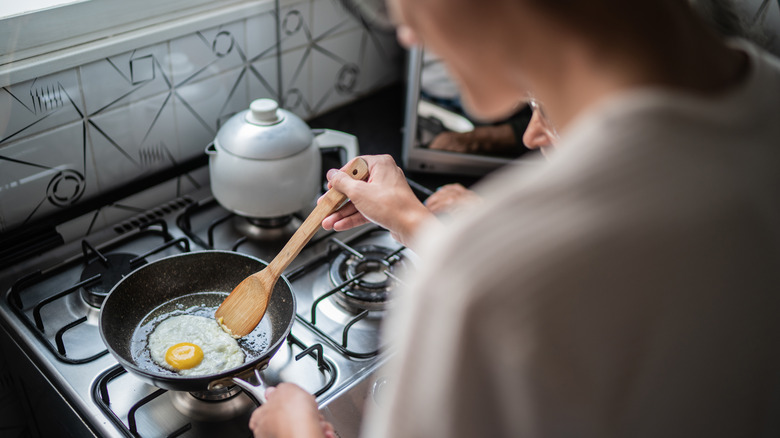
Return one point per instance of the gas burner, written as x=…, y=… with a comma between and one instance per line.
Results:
x=217, y=394
x=278, y=229
x=373, y=270
x=274, y=222
x=201, y=407
x=111, y=268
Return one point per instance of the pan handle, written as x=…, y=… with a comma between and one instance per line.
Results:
x=227, y=382
x=255, y=391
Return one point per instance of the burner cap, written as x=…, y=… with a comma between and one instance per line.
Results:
x=213, y=406
x=278, y=229
x=273, y=222
x=116, y=266
x=372, y=287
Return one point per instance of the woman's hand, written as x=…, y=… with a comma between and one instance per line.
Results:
x=489, y=140
x=451, y=198
x=290, y=412
x=384, y=199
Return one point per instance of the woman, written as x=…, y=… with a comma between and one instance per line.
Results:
x=626, y=288
x=540, y=134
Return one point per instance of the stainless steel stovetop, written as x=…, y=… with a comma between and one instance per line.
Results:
x=342, y=283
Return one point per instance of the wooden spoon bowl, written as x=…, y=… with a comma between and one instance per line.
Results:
x=243, y=309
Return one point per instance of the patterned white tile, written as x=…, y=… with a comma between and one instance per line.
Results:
x=762, y=19
x=336, y=70
x=207, y=52
x=111, y=122
x=194, y=180
x=261, y=36
x=125, y=209
x=381, y=61
x=82, y=226
x=133, y=141
x=125, y=78
x=296, y=82
x=294, y=27
x=43, y=174
x=201, y=107
x=263, y=78
x=769, y=23
x=148, y=199
x=329, y=18
x=37, y=105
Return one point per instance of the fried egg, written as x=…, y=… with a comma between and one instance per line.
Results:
x=193, y=346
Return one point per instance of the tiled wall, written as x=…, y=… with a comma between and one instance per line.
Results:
x=762, y=17
x=68, y=136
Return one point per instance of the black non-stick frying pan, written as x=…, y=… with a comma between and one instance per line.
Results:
x=193, y=283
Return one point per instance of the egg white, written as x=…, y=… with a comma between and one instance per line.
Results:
x=220, y=351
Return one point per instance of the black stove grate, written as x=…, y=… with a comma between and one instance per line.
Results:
x=206, y=238
x=102, y=397
x=37, y=323
x=333, y=251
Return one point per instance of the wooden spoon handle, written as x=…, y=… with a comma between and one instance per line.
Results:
x=330, y=202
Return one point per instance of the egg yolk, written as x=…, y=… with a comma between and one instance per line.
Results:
x=184, y=356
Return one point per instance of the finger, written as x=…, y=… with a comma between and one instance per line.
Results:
x=395, y=236
x=457, y=187
x=254, y=420
x=369, y=159
x=329, y=175
x=438, y=208
x=433, y=198
x=345, y=184
x=329, y=431
x=331, y=172
x=437, y=199
x=327, y=428
x=348, y=210
x=377, y=160
x=434, y=206
x=350, y=222
x=377, y=164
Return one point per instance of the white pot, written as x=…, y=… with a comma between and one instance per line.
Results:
x=265, y=162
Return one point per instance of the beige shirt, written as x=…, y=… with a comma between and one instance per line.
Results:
x=628, y=288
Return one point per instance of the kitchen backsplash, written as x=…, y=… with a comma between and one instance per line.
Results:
x=69, y=136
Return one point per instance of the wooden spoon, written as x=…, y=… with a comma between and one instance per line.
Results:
x=243, y=309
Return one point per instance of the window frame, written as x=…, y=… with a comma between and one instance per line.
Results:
x=49, y=40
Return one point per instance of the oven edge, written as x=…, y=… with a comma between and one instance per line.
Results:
x=49, y=410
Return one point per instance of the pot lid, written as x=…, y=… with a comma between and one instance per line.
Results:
x=264, y=132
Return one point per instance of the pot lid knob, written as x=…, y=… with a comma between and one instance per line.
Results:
x=264, y=112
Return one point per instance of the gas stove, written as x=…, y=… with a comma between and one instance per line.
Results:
x=343, y=283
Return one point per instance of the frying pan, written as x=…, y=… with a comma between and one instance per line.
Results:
x=193, y=283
